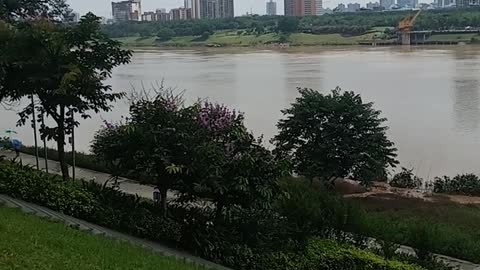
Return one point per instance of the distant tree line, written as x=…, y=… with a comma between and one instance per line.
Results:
x=343, y=23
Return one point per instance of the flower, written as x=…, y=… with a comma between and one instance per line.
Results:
x=216, y=117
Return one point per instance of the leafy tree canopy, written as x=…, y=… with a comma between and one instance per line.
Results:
x=14, y=10
x=335, y=135
x=65, y=67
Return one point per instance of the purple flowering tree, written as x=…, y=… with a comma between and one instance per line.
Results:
x=152, y=146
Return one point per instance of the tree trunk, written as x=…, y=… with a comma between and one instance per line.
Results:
x=163, y=200
x=61, y=144
x=219, y=211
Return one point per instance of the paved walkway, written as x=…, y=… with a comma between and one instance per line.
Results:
x=126, y=185
x=98, y=230
x=132, y=187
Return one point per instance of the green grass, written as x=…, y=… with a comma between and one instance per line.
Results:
x=299, y=39
x=232, y=39
x=452, y=37
x=29, y=242
x=455, y=226
x=138, y=41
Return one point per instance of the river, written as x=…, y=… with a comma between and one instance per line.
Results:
x=429, y=95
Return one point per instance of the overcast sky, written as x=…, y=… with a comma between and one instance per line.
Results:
x=103, y=7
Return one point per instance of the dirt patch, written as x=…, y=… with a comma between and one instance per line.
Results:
x=386, y=192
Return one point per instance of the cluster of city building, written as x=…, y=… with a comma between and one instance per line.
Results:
x=315, y=7
x=131, y=10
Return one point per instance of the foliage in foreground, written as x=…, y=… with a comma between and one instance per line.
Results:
x=333, y=135
x=247, y=239
x=202, y=151
x=63, y=67
x=58, y=247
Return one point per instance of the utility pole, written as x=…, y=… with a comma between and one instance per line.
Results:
x=45, y=144
x=73, y=145
x=34, y=126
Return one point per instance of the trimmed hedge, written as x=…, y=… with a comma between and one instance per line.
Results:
x=190, y=229
x=329, y=255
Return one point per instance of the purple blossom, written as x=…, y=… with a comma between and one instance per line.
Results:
x=216, y=117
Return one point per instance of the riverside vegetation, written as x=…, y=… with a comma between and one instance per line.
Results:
x=234, y=205
x=330, y=29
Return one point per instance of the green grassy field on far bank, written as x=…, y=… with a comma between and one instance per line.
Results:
x=29, y=242
x=465, y=37
x=231, y=38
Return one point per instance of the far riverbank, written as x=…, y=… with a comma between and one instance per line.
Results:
x=272, y=40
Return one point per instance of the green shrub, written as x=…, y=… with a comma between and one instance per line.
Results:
x=317, y=212
x=406, y=179
x=245, y=239
x=465, y=184
x=50, y=191
x=329, y=255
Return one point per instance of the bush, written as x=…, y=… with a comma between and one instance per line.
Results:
x=464, y=184
x=332, y=256
x=406, y=179
x=251, y=238
x=317, y=212
x=328, y=255
x=50, y=191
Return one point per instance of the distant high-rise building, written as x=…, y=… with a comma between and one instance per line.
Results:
x=409, y=3
x=149, y=16
x=161, y=15
x=271, y=8
x=288, y=7
x=372, y=6
x=187, y=4
x=212, y=9
x=319, y=7
x=468, y=3
x=340, y=8
x=226, y=9
x=180, y=14
x=353, y=7
x=300, y=7
x=130, y=10
x=387, y=4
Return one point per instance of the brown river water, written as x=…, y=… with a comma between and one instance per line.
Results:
x=430, y=95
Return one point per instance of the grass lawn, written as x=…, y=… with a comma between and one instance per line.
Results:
x=137, y=41
x=298, y=39
x=456, y=227
x=452, y=37
x=29, y=242
x=231, y=38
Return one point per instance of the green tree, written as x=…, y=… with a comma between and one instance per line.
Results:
x=165, y=34
x=288, y=24
x=230, y=166
x=18, y=10
x=335, y=135
x=154, y=145
x=65, y=67
x=201, y=151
